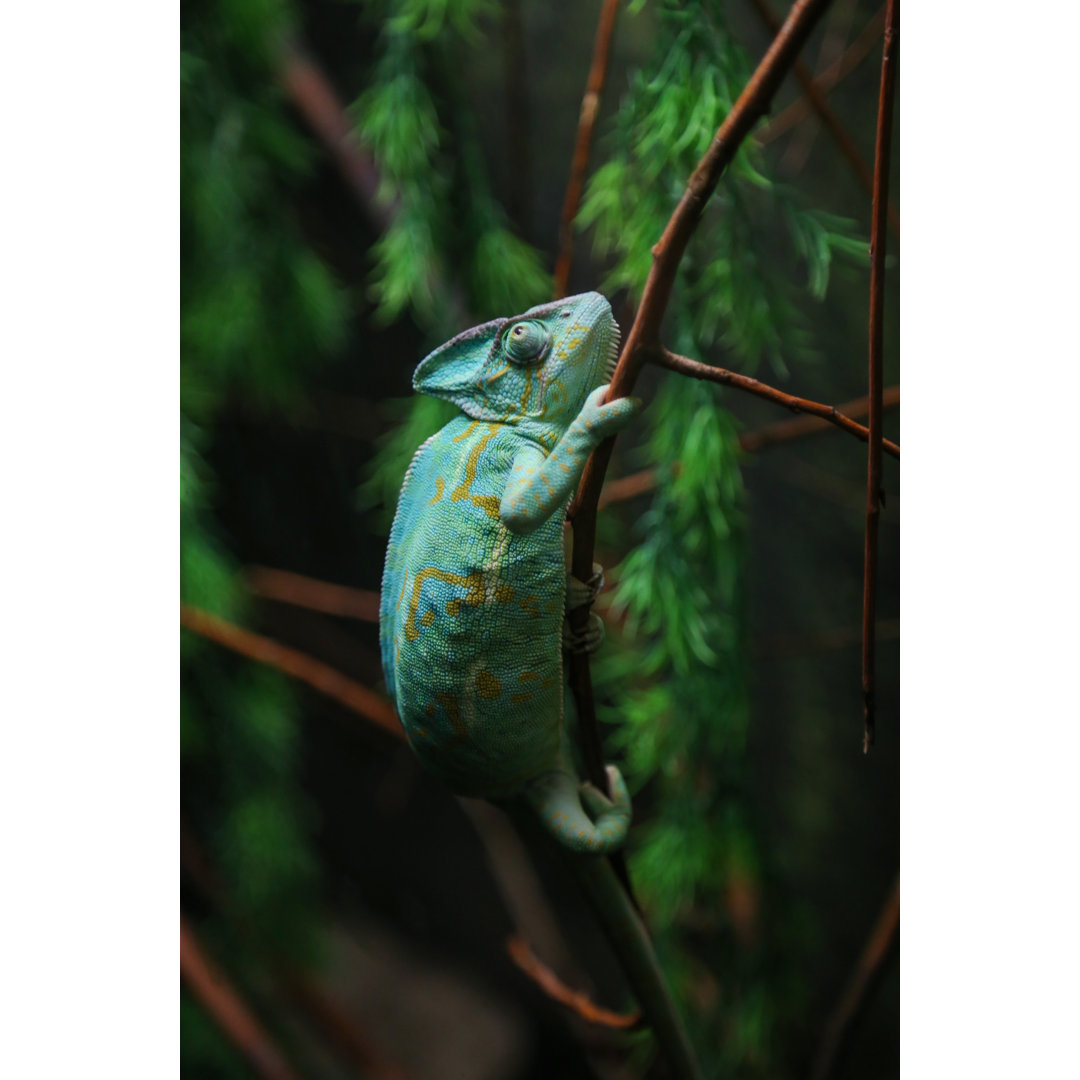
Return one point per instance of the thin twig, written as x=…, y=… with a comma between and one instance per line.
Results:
x=829, y=118
x=315, y=673
x=288, y=588
x=752, y=104
x=590, y=106
x=883, y=145
x=826, y=79
x=829, y=413
x=342, y=1032
x=637, y=483
x=516, y=104
x=863, y=979
x=786, y=430
x=555, y=988
x=315, y=99
x=221, y=1000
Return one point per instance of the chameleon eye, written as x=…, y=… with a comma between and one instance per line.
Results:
x=525, y=342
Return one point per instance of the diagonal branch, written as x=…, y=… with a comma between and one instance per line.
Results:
x=300, y=591
x=827, y=114
x=861, y=983
x=752, y=104
x=319, y=676
x=637, y=483
x=829, y=413
x=826, y=79
x=221, y=1000
x=590, y=106
x=519, y=951
x=877, y=304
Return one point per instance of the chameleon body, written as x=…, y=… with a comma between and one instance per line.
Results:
x=475, y=588
x=475, y=585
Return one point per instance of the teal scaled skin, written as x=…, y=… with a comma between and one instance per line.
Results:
x=474, y=588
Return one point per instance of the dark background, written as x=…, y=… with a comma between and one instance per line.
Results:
x=315, y=849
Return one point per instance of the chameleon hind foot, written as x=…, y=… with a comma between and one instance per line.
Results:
x=582, y=594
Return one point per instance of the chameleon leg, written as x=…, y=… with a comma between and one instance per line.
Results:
x=556, y=798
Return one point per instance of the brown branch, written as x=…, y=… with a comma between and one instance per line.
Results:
x=785, y=430
x=341, y=1031
x=827, y=114
x=590, y=106
x=633, y=484
x=216, y=994
x=300, y=591
x=862, y=981
x=316, y=101
x=752, y=104
x=829, y=413
x=327, y=680
x=553, y=986
x=883, y=144
x=826, y=80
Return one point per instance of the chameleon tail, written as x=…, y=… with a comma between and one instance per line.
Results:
x=628, y=937
x=556, y=798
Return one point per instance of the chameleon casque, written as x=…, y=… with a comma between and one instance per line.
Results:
x=475, y=589
x=475, y=586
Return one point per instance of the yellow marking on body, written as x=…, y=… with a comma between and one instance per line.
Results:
x=487, y=685
x=473, y=582
x=549, y=681
x=520, y=699
x=453, y=713
x=497, y=374
x=528, y=676
x=488, y=503
x=467, y=432
x=531, y=604
x=504, y=594
x=427, y=618
x=440, y=486
x=527, y=392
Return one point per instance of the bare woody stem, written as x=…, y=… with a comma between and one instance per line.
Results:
x=829, y=413
x=861, y=982
x=527, y=961
x=833, y=124
x=300, y=591
x=590, y=106
x=626, y=487
x=882, y=149
x=826, y=79
x=217, y=995
x=315, y=673
x=645, y=331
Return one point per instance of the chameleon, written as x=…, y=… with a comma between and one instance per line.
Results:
x=475, y=590
x=475, y=587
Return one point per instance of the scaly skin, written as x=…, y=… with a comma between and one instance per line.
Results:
x=474, y=589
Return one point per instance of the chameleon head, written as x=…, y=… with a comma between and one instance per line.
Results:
x=537, y=367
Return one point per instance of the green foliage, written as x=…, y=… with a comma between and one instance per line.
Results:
x=258, y=308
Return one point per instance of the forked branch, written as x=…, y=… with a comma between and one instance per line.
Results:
x=645, y=331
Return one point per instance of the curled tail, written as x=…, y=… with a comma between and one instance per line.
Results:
x=557, y=797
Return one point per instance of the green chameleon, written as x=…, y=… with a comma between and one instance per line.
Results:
x=475, y=590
